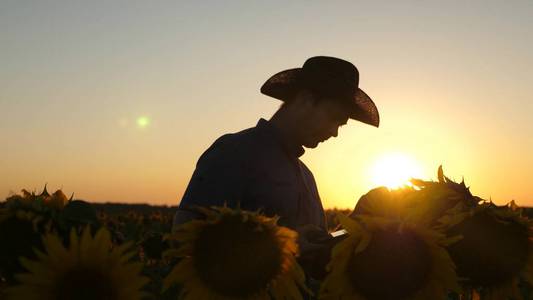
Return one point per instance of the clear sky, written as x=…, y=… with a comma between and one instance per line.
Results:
x=116, y=100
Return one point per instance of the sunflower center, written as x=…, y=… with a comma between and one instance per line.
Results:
x=86, y=284
x=394, y=265
x=491, y=251
x=236, y=258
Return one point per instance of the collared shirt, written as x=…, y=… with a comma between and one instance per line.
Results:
x=256, y=168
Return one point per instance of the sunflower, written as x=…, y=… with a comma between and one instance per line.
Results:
x=382, y=201
x=235, y=254
x=19, y=235
x=42, y=203
x=387, y=259
x=495, y=253
x=88, y=269
x=423, y=203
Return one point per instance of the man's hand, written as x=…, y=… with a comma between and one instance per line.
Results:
x=315, y=250
x=311, y=239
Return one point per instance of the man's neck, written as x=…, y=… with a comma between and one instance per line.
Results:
x=285, y=124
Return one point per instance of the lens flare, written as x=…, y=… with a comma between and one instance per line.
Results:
x=143, y=122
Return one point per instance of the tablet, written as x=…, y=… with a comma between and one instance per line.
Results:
x=338, y=233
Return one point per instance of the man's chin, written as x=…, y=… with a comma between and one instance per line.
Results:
x=311, y=145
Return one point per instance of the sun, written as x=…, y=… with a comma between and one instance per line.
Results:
x=394, y=170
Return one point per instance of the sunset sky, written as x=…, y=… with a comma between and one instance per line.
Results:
x=116, y=100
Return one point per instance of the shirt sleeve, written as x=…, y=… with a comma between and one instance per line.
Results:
x=219, y=177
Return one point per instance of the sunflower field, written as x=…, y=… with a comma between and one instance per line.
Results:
x=428, y=240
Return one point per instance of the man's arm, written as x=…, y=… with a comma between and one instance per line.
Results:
x=219, y=179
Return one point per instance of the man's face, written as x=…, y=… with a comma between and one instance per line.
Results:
x=325, y=118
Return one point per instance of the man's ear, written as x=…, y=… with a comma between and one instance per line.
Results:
x=305, y=97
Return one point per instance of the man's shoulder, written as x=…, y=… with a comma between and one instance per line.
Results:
x=237, y=138
x=237, y=141
x=244, y=141
x=237, y=145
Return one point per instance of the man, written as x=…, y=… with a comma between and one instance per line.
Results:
x=259, y=167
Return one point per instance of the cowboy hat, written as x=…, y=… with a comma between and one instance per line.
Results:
x=330, y=77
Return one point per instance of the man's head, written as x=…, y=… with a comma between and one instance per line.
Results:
x=327, y=79
x=312, y=118
x=318, y=98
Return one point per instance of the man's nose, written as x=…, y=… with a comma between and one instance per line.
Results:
x=334, y=131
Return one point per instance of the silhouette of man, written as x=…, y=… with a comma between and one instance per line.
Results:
x=259, y=167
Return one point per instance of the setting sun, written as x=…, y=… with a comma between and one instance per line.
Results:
x=394, y=170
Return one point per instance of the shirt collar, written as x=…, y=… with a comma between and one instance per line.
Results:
x=294, y=150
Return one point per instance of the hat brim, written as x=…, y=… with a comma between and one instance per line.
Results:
x=285, y=84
